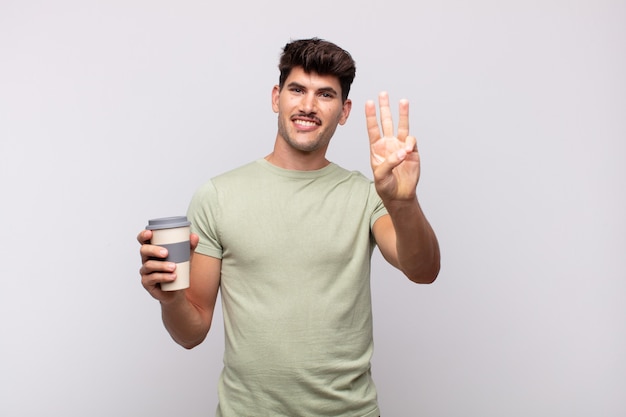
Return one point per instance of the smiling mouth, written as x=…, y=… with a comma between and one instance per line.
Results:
x=305, y=123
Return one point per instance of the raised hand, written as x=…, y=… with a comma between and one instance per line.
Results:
x=394, y=158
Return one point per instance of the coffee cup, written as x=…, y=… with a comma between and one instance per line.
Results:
x=172, y=233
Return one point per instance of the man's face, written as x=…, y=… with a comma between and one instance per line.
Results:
x=309, y=109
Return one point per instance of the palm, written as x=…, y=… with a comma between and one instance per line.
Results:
x=394, y=158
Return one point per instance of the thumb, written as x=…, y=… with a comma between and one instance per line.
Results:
x=193, y=240
x=386, y=166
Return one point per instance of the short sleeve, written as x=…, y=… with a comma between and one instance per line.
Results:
x=203, y=213
x=376, y=206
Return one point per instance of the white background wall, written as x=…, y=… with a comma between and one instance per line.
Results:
x=113, y=112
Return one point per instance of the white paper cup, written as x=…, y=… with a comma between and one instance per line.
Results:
x=172, y=233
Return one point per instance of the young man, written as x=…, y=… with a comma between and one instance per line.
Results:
x=287, y=240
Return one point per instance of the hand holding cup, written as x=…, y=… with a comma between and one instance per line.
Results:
x=166, y=246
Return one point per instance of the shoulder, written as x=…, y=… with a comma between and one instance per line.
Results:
x=227, y=178
x=353, y=176
x=242, y=171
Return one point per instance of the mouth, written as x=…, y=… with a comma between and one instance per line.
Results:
x=306, y=123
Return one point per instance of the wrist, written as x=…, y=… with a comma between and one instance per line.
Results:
x=401, y=205
x=172, y=299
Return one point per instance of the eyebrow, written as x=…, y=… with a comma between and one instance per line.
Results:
x=319, y=90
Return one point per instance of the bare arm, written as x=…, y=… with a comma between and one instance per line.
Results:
x=187, y=314
x=408, y=242
x=405, y=237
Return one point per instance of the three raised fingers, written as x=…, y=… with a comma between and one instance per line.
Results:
x=386, y=119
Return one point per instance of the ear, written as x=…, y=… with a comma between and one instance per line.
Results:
x=345, y=111
x=275, y=97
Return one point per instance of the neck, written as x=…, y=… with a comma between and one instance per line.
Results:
x=289, y=158
x=296, y=165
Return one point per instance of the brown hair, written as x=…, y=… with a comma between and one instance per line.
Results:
x=320, y=56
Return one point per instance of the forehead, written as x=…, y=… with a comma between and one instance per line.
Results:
x=313, y=80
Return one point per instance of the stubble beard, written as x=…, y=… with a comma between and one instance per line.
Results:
x=321, y=140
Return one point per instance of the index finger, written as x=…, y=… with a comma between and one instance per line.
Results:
x=148, y=251
x=144, y=236
x=371, y=121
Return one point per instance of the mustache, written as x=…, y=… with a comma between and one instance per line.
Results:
x=309, y=116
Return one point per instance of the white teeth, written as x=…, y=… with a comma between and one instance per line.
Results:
x=305, y=123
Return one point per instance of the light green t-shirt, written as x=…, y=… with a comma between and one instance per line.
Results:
x=295, y=286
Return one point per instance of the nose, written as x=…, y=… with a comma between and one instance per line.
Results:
x=308, y=102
